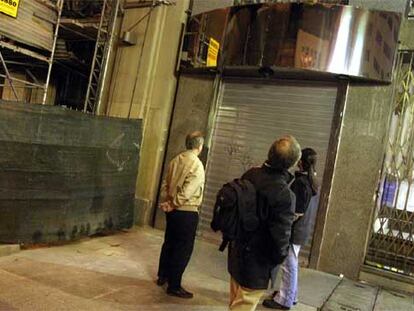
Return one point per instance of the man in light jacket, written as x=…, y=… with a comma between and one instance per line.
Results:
x=181, y=197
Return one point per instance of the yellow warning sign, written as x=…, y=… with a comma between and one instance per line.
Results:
x=212, y=53
x=9, y=7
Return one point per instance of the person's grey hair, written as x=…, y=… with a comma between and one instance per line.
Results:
x=194, y=140
x=284, y=153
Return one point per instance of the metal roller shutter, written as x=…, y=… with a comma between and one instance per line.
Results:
x=251, y=114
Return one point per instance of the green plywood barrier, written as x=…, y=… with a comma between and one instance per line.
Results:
x=64, y=174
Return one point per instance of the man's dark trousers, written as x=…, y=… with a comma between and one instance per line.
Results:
x=178, y=246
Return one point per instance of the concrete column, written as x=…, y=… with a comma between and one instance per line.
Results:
x=340, y=242
x=192, y=108
x=143, y=86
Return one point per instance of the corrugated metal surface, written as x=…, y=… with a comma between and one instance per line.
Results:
x=250, y=116
x=28, y=28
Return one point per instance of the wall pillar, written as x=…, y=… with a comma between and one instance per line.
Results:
x=340, y=242
x=143, y=86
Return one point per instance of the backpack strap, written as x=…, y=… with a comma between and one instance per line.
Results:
x=249, y=217
x=224, y=244
x=236, y=187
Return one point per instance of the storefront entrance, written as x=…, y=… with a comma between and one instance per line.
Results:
x=250, y=115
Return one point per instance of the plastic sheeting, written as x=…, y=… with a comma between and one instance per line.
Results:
x=65, y=174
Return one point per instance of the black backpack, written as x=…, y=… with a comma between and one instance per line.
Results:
x=235, y=211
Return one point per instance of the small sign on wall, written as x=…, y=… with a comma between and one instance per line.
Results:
x=212, y=54
x=9, y=7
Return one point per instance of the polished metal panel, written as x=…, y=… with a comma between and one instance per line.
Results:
x=322, y=38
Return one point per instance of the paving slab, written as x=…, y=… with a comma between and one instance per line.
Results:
x=315, y=287
x=386, y=279
x=309, y=280
x=298, y=307
x=118, y=273
x=180, y=307
x=303, y=307
x=391, y=301
x=352, y=296
x=19, y=293
x=9, y=249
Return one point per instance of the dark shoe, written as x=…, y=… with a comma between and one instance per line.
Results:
x=161, y=281
x=271, y=304
x=180, y=293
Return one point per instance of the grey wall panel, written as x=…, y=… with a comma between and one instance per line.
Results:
x=35, y=124
x=64, y=174
x=191, y=112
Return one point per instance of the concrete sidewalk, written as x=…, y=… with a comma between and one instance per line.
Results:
x=118, y=272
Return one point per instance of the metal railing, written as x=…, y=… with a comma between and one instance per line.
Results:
x=391, y=244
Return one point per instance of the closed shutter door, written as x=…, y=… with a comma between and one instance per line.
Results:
x=251, y=114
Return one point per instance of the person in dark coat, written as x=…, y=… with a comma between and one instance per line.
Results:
x=304, y=188
x=252, y=258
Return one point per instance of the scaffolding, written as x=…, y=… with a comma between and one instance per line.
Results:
x=27, y=52
x=101, y=31
x=101, y=54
